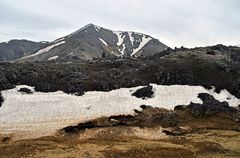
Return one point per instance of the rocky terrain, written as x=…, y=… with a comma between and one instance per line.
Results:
x=16, y=49
x=209, y=66
x=207, y=126
x=152, y=132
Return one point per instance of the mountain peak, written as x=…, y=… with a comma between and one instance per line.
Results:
x=90, y=25
x=92, y=41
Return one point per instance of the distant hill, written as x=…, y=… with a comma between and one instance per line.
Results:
x=15, y=49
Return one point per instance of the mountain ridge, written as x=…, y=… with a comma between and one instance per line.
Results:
x=14, y=49
x=93, y=41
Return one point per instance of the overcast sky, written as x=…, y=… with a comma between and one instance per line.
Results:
x=175, y=22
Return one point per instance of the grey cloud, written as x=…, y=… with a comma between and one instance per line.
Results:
x=176, y=22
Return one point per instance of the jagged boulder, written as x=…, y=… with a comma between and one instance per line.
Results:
x=25, y=90
x=210, y=106
x=144, y=93
x=1, y=99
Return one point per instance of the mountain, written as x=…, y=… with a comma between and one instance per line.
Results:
x=93, y=41
x=15, y=49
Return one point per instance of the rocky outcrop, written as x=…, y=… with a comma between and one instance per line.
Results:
x=210, y=107
x=1, y=99
x=148, y=117
x=175, y=123
x=190, y=67
x=144, y=93
x=25, y=90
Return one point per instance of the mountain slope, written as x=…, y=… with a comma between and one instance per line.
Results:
x=15, y=49
x=93, y=41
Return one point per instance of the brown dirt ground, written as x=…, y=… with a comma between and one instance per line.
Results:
x=129, y=142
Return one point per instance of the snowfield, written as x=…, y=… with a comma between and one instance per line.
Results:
x=105, y=43
x=59, y=40
x=44, y=50
x=144, y=41
x=121, y=38
x=41, y=114
x=53, y=58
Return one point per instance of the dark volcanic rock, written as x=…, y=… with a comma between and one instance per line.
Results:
x=25, y=90
x=148, y=117
x=210, y=106
x=178, y=131
x=144, y=93
x=187, y=67
x=179, y=108
x=211, y=52
x=1, y=99
x=175, y=123
x=76, y=129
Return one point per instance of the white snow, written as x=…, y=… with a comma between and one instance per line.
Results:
x=120, y=37
x=131, y=37
x=41, y=114
x=225, y=96
x=97, y=28
x=144, y=41
x=120, y=43
x=123, y=49
x=105, y=43
x=115, y=53
x=70, y=54
x=53, y=58
x=45, y=49
x=59, y=40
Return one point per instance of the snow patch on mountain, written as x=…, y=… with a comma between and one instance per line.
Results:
x=45, y=49
x=59, y=40
x=120, y=44
x=120, y=38
x=105, y=43
x=122, y=50
x=97, y=28
x=144, y=41
x=53, y=58
x=131, y=37
x=115, y=54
